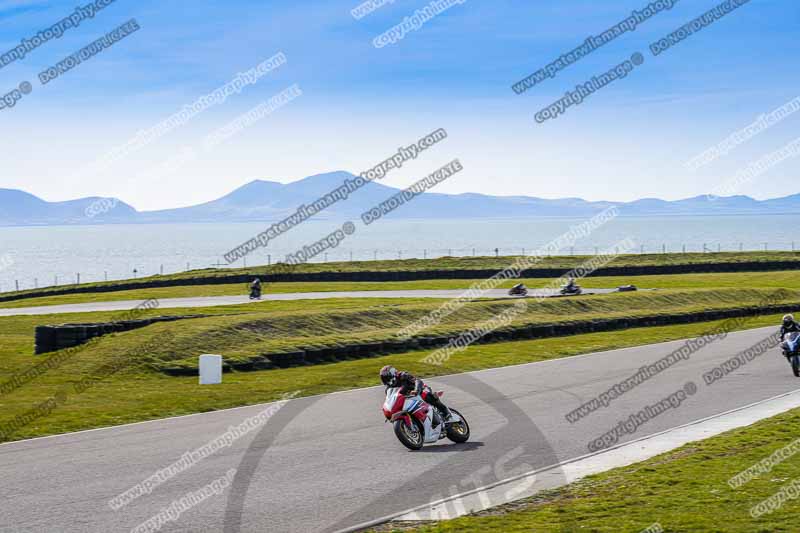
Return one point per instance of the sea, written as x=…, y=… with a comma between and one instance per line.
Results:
x=40, y=256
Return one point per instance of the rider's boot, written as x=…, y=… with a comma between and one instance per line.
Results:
x=446, y=413
x=442, y=408
x=437, y=419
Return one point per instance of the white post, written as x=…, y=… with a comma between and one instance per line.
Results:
x=210, y=369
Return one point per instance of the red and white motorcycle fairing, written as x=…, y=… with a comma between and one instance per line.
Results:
x=413, y=419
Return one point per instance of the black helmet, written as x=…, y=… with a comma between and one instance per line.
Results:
x=388, y=375
x=787, y=319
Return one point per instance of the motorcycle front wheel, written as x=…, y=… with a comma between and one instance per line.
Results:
x=458, y=432
x=795, y=360
x=412, y=437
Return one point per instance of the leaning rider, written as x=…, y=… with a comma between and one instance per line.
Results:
x=789, y=325
x=408, y=383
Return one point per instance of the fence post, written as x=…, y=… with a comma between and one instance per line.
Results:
x=187, y=266
x=351, y=256
x=399, y=254
x=663, y=248
x=35, y=283
x=719, y=247
x=473, y=252
x=497, y=252
x=596, y=251
x=684, y=248
x=78, y=278
x=741, y=246
x=56, y=281
x=161, y=270
x=16, y=282
x=765, y=247
x=105, y=275
x=641, y=249
x=375, y=255
x=424, y=253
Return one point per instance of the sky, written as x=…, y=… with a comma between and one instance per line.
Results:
x=358, y=103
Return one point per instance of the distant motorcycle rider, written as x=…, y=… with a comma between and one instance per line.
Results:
x=519, y=288
x=410, y=384
x=789, y=325
x=255, y=287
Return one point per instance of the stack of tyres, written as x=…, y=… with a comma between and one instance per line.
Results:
x=314, y=356
x=70, y=335
x=287, y=359
x=93, y=330
x=373, y=349
x=45, y=339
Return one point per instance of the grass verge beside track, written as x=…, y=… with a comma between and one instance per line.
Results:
x=682, y=490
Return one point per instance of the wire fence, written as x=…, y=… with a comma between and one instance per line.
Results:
x=383, y=254
x=35, y=281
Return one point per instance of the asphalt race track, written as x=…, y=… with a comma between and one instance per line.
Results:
x=211, y=301
x=327, y=462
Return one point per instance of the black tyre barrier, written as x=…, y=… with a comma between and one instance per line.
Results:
x=314, y=356
x=53, y=338
x=410, y=275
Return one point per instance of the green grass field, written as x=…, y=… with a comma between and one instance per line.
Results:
x=684, y=490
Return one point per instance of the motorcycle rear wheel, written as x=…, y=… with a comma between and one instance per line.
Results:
x=458, y=432
x=412, y=438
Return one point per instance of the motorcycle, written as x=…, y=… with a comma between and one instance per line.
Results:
x=573, y=289
x=417, y=423
x=790, y=351
x=255, y=293
x=518, y=290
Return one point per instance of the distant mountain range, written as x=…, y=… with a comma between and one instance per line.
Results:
x=270, y=201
